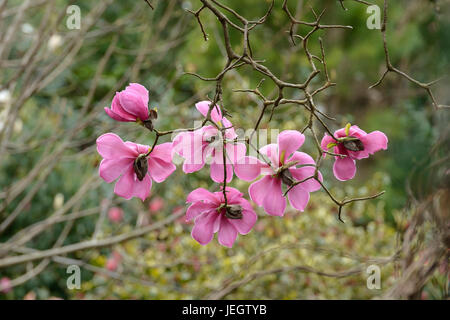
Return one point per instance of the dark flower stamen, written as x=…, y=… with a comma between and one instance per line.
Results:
x=286, y=177
x=140, y=166
x=233, y=211
x=353, y=144
x=152, y=115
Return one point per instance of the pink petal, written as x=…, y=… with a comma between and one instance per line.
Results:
x=326, y=140
x=344, y=168
x=229, y=133
x=244, y=225
x=189, y=168
x=298, y=197
x=198, y=208
x=267, y=193
x=216, y=223
x=203, y=107
x=159, y=169
x=189, y=145
x=227, y=232
x=111, y=169
x=201, y=194
x=162, y=151
x=217, y=170
x=358, y=155
x=133, y=146
x=203, y=230
x=235, y=152
x=274, y=203
x=310, y=185
x=288, y=142
x=232, y=194
x=245, y=204
x=131, y=101
x=141, y=90
x=271, y=151
x=374, y=141
x=258, y=190
x=129, y=186
x=119, y=110
x=115, y=116
x=354, y=131
x=141, y=148
x=340, y=149
x=177, y=143
x=110, y=146
x=248, y=168
x=207, y=132
x=301, y=158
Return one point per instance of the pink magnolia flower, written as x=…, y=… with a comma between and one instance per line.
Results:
x=211, y=216
x=115, y=214
x=354, y=144
x=5, y=285
x=127, y=160
x=112, y=264
x=113, y=261
x=284, y=159
x=198, y=146
x=130, y=105
x=156, y=204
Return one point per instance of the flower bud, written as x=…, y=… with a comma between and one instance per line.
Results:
x=148, y=124
x=140, y=166
x=233, y=211
x=152, y=115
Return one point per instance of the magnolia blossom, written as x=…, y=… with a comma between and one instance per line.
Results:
x=354, y=144
x=130, y=162
x=286, y=166
x=130, y=105
x=211, y=215
x=113, y=261
x=5, y=285
x=206, y=145
x=115, y=214
x=156, y=204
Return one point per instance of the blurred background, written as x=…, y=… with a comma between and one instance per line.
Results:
x=55, y=82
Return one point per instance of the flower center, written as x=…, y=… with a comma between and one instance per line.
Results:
x=286, y=177
x=353, y=144
x=140, y=166
x=233, y=211
x=214, y=141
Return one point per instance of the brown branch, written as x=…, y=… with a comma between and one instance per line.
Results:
x=390, y=67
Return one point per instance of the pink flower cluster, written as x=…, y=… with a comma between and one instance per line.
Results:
x=226, y=212
x=130, y=162
x=350, y=144
x=199, y=145
x=212, y=214
x=285, y=166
